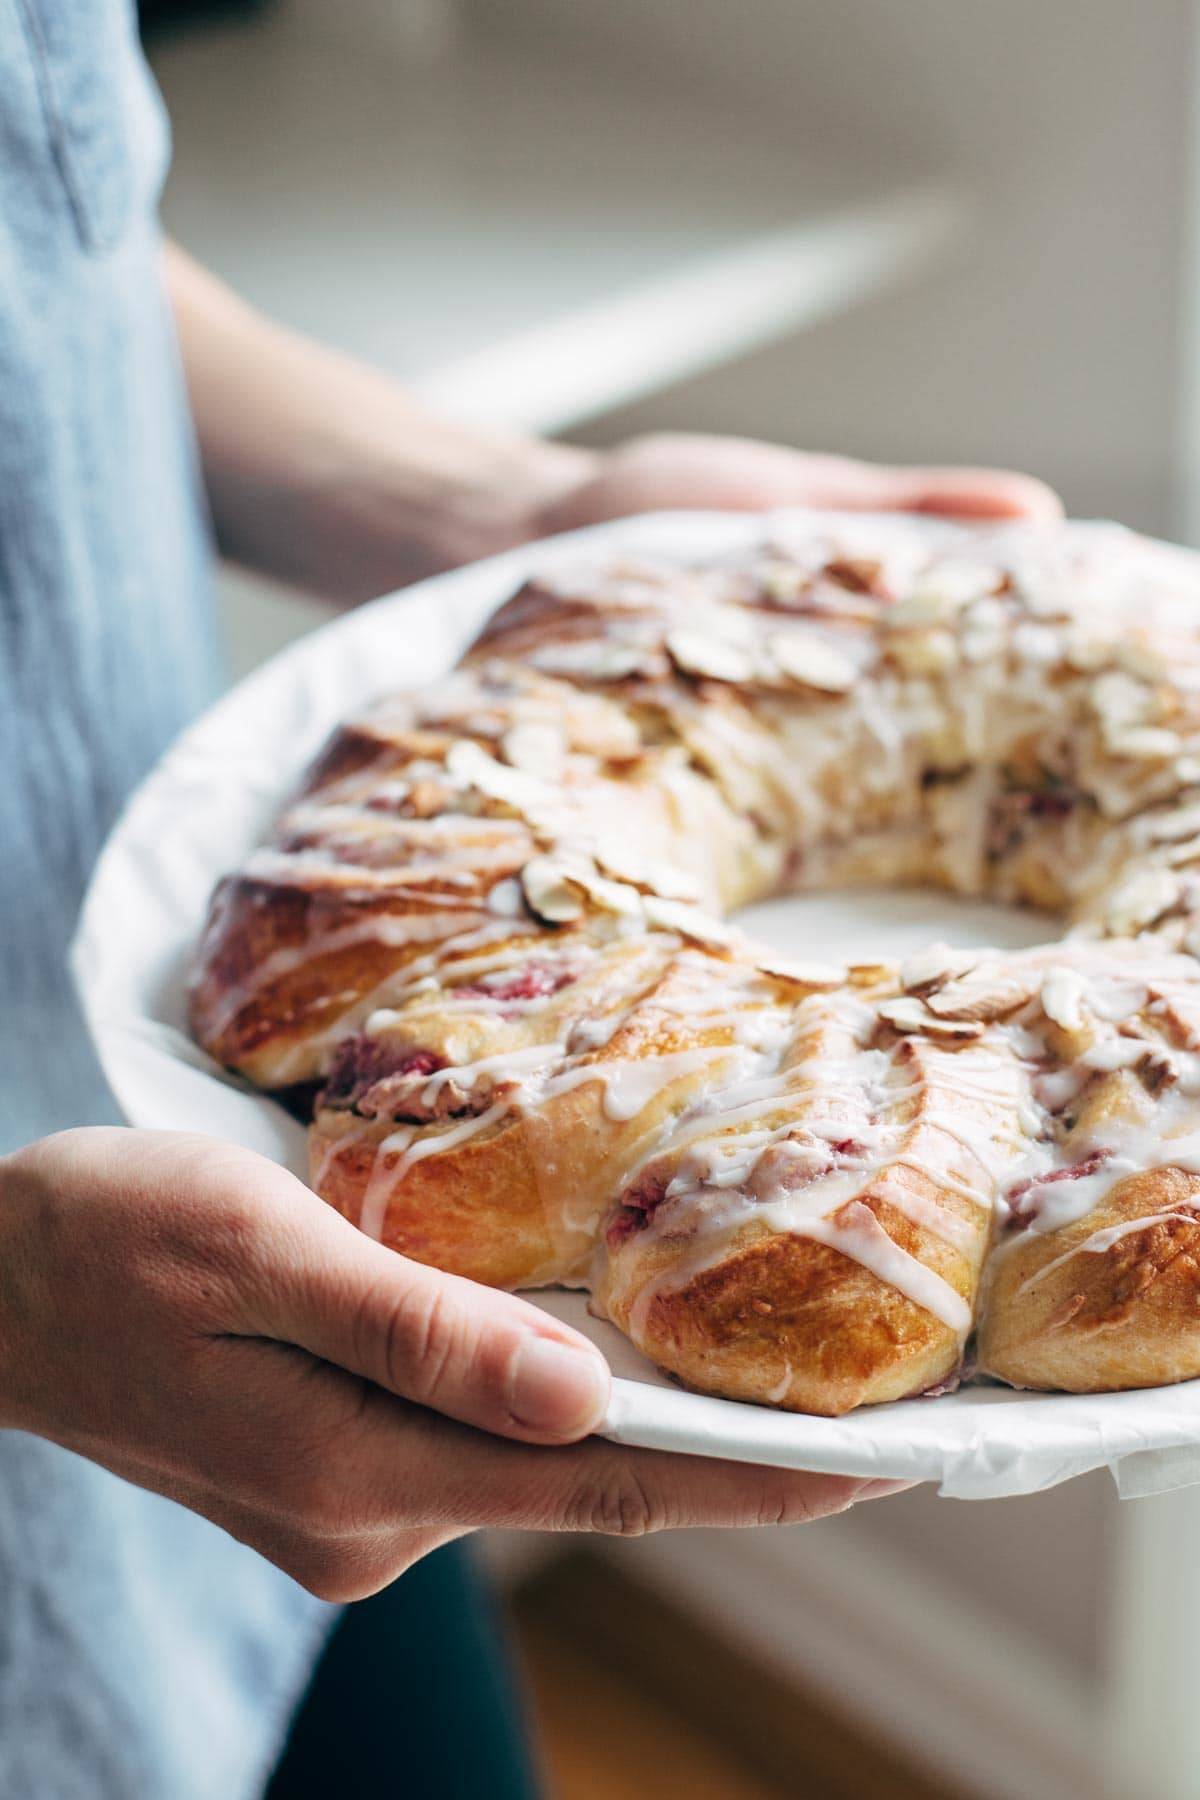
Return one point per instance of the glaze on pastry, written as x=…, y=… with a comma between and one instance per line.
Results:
x=490, y=936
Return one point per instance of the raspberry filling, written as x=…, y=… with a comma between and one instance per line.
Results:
x=799, y=1161
x=536, y=981
x=1010, y=815
x=362, y=1061
x=358, y=852
x=1022, y=1199
x=1050, y=803
x=776, y=1171
x=377, y=1079
x=637, y=1207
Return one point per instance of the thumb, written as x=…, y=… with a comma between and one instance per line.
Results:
x=471, y=1352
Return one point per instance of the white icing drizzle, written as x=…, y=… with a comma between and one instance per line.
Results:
x=629, y=1086
x=800, y=1116
x=507, y=1065
x=460, y=836
x=398, y=981
x=399, y=1145
x=631, y=1083
x=857, y=1233
x=329, y=1156
x=289, y=867
x=1054, y=1204
x=1103, y=1240
x=720, y=1143
x=851, y=1229
x=720, y=1186
x=932, y=1215
x=394, y=931
x=779, y=1392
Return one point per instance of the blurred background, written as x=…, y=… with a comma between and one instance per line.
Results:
x=956, y=230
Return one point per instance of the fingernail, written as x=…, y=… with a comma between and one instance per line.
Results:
x=875, y=1490
x=557, y=1388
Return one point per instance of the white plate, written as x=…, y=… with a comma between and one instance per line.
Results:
x=207, y=804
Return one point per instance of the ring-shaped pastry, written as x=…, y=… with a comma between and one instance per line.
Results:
x=488, y=948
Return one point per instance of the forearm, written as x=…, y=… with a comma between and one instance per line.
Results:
x=323, y=472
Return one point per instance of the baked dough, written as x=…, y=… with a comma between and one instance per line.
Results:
x=489, y=942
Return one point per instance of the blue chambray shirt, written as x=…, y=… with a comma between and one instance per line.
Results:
x=142, y=1652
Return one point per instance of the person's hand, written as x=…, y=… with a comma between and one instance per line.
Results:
x=191, y=1316
x=670, y=470
x=322, y=472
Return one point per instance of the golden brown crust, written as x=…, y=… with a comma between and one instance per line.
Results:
x=484, y=927
x=787, y=1322
x=1111, y=1301
x=841, y=1333
x=476, y=1211
x=290, y=967
x=526, y=1193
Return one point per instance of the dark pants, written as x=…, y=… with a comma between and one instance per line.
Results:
x=414, y=1696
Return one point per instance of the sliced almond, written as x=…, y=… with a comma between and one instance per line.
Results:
x=1063, y=992
x=954, y=583
x=814, y=977
x=811, y=660
x=1040, y=645
x=1086, y=654
x=592, y=723
x=983, y=643
x=1145, y=743
x=610, y=896
x=909, y=1015
x=1140, y=900
x=918, y=610
x=989, y=991
x=784, y=582
x=924, y=652
x=1180, y=856
x=689, y=921
x=953, y=1031
x=469, y=763
x=709, y=657
x=624, y=862
x=990, y=611
x=574, y=865
x=1143, y=660
x=1120, y=702
x=536, y=746
x=861, y=574
x=1045, y=597
x=1170, y=827
x=927, y=969
x=595, y=660
x=507, y=899
x=550, y=891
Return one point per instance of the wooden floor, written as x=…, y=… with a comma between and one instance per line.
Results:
x=606, y=1738
x=635, y=1701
